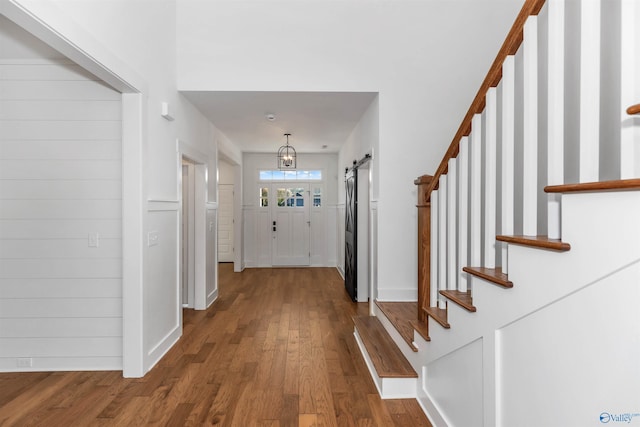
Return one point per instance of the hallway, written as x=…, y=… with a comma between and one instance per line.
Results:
x=276, y=349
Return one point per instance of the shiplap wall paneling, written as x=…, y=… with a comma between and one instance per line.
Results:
x=60, y=219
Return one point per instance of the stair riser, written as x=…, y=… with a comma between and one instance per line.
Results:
x=388, y=388
x=409, y=354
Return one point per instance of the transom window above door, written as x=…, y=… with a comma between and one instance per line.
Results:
x=289, y=197
x=297, y=175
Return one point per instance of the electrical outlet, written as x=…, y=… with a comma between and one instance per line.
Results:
x=24, y=362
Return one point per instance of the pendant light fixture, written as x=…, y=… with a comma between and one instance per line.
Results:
x=287, y=155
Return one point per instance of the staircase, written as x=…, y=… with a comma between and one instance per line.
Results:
x=529, y=234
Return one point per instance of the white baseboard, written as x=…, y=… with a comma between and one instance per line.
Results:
x=431, y=410
x=398, y=295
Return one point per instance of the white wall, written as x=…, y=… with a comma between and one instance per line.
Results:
x=364, y=139
x=143, y=45
x=425, y=59
x=60, y=182
x=226, y=173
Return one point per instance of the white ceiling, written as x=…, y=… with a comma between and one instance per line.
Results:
x=313, y=119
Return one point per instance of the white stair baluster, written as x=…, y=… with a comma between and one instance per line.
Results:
x=463, y=212
x=630, y=84
x=507, y=137
x=433, y=281
x=589, y=90
x=542, y=122
x=452, y=264
x=442, y=235
x=555, y=113
x=611, y=89
x=490, y=180
x=530, y=129
x=476, y=191
x=571, y=61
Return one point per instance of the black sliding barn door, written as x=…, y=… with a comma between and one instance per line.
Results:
x=350, y=234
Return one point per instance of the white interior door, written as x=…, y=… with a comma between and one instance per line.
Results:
x=225, y=223
x=290, y=224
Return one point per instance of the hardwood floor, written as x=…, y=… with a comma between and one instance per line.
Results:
x=276, y=349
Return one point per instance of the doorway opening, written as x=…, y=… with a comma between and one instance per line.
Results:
x=226, y=211
x=187, y=226
x=195, y=228
x=358, y=231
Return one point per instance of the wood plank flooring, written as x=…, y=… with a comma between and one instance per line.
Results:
x=276, y=349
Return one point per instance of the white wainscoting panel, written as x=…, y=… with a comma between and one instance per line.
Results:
x=340, y=213
x=455, y=381
x=162, y=302
x=591, y=360
x=212, y=256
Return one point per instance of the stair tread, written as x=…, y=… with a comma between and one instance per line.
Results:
x=400, y=314
x=463, y=299
x=493, y=275
x=387, y=359
x=536, y=241
x=438, y=314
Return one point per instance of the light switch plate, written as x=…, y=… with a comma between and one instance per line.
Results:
x=153, y=238
x=94, y=240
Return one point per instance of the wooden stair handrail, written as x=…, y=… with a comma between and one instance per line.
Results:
x=634, y=109
x=509, y=47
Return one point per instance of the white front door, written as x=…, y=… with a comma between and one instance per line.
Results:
x=225, y=223
x=290, y=224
